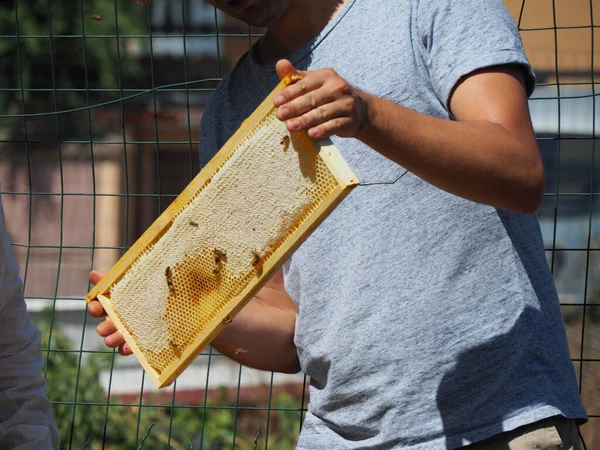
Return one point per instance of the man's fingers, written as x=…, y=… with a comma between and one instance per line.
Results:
x=106, y=327
x=112, y=337
x=95, y=309
x=307, y=86
x=114, y=340
x=335, y=126
x=284, y=68
x=95, y=276
x=315, y=117
x=124, y=349
x=318, y=105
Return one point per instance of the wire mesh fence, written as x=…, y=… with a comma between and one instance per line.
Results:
x=99, y=125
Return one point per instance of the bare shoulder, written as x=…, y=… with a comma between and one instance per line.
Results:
x=496, y=94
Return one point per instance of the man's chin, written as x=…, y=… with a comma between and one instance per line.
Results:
x=257, y=22
x=259, y=16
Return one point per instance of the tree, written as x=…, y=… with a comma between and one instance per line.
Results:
x=51, y=45
x=58, y=55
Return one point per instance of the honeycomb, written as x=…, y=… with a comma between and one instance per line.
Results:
x=217, y=244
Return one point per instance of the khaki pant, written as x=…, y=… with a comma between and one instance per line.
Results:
x=554, y=433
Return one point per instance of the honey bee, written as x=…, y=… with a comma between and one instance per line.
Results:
x=227, y=320
x=294, y=78
x=240, y=350
x=216, y=271
x=285, y=141
x=95, y=17
x=169, y=277
x=175, y=348
x=255, y=258
x=194, y=224
x=219, y=255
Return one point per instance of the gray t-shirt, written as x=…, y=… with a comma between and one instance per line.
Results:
x=426, y=321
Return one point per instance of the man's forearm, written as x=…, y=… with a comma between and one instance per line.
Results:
x=261, y=336
x=479, y=160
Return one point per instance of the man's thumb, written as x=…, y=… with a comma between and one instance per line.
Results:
x=285, y=68
x=95, y=276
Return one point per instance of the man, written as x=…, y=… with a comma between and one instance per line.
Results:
x=26, y=421
x=422, y=309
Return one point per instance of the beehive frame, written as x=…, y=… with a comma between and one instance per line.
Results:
x=327, y=153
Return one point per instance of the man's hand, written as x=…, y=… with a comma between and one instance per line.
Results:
x=322, y=103
x=107, y=329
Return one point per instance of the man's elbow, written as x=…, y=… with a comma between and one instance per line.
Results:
x=275, y=363
x=293, y=367
x=282, y=358
x=531, y=192
x=287, y=360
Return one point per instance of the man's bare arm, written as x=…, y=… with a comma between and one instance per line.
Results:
x=261, y=335
x=488, y=154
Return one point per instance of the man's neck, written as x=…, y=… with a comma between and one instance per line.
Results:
x=304, y=20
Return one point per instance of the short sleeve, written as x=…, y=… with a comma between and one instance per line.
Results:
x=462, y=36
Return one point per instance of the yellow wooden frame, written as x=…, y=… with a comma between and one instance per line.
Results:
x=336, y=164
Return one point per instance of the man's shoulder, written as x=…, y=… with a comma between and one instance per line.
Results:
x=232, y=81
x=223, y=89
x=232, y=101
